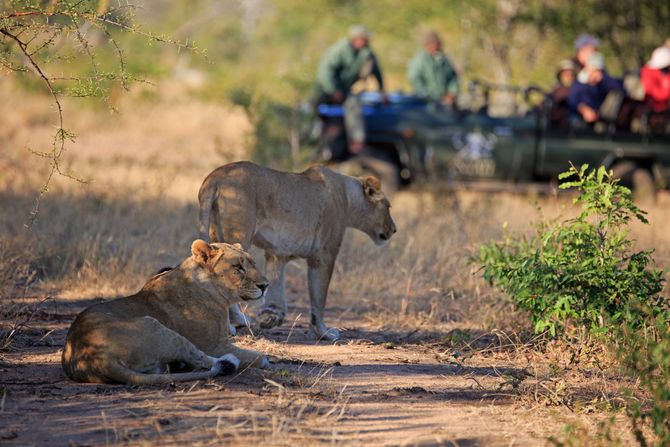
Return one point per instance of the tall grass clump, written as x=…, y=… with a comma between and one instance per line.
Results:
x=584, y=273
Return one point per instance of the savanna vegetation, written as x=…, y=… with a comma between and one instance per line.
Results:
x=581, y=275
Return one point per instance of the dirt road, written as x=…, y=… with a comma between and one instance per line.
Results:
x=377, y=387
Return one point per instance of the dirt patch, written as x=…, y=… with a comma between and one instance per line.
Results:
x=382, y=389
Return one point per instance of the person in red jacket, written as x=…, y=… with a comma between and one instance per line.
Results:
x=655, y=77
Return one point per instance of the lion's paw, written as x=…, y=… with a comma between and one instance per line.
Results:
x=263, y=363
x=270, y=318
x=227, y=364
x=329, y=334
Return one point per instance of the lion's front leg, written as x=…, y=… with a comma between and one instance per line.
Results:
x=275, y=309
x=237, y=318
x=318, y=275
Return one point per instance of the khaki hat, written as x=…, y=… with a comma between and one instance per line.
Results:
x=358, y=31
x=596, y=61
x=566, y=64
x=430, y=36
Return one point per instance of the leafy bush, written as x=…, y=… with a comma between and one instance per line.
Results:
x=582, y=270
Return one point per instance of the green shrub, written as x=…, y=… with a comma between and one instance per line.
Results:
x=581, y=270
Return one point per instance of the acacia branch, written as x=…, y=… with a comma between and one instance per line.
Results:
x=61, y=134
x=13, y=26
x=16, y=14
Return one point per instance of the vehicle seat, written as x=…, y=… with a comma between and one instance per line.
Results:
x=611, y=106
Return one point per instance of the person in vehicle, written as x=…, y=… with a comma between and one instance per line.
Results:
x=431, y=73
x=565, y=76
x=592, y=87
x=585, y=45
x=349, y=60
x=655, y=77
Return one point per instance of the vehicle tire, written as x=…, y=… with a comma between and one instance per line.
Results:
x=644, y=187
x=386, y=171
x=639, y=179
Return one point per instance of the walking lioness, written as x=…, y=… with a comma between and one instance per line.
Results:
x=292, y=215
x=179, y=317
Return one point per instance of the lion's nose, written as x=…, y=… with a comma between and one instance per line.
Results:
x=263, y=287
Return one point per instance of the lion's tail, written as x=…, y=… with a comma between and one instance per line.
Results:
x=206, y=198
x=118, y=372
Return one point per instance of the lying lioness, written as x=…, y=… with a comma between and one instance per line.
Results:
x=292, y=215
x=178, y=318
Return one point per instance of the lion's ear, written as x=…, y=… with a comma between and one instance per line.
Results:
x=201, y=250
x=372, y=188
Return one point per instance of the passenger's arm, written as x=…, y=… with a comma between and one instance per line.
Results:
x=377, y=72
x=452, y=83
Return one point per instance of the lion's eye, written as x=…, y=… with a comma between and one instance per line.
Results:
x=240, y=268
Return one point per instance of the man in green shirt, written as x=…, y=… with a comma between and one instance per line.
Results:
x=431, y=74
x=347, y=61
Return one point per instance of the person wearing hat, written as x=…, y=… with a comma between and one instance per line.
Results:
x=655, y=77
x=565, y=76
x=349, y=60
x=585, y=45
x=592, y=86
x=430, y=72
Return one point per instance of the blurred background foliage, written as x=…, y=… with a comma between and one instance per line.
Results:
x=263, y=54
x=272, y=47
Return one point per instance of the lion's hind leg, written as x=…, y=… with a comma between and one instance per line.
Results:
x=158, y=347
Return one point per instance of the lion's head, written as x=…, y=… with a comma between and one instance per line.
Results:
x=230, y=268
x=377, y=222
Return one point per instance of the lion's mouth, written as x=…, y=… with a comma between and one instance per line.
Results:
x=259, y=292
x=381, y=239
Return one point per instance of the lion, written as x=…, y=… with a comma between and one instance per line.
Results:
x=174, y=321
x=292, y=215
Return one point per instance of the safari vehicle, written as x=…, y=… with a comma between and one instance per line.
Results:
x=411, y=140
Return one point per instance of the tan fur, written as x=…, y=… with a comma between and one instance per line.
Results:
x=292, y=215
x=178, y=317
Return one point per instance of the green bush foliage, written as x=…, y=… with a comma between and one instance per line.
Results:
x=582, y=270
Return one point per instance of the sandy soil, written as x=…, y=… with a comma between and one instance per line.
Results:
x=374, y=388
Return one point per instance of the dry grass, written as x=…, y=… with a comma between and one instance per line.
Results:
x=138, y=214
